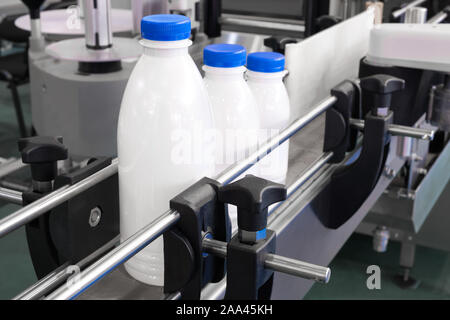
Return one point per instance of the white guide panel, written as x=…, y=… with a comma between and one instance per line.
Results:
x=322, y=61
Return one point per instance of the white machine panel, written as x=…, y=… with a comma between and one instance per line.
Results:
x=422, y=46
x=320, y=62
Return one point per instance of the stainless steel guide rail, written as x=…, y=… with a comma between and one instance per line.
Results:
x=146, y=235
x=50, y=201
x=61, y=274
x=396, y=14
x=237, y=169
x=10, y=195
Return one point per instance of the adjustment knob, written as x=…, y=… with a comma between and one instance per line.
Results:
x=382, y=86
x=252, y=196
x=34, y=6
x=42, y=153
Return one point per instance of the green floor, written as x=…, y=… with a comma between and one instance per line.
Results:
x=348, y=279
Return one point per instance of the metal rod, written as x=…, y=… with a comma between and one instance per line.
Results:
x=304, y=176
x=262, y=24
x=55, y=278
x=147, y=234
x=39, y=207
x=264, y=19
x=237, y=169
x=276, y=263
x=11, y=196
x=297, y=268
x=403, y=10
x=309, y=172
x=397, y=130
x=10, y=165
x=438, y=18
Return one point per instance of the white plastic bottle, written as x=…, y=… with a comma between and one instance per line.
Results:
x=265, y=79
x=164, y=111
x=234, y=107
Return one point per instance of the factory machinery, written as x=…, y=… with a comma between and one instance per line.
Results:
x=364, y=127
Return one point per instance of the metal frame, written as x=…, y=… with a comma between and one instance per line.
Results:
x=146, y=235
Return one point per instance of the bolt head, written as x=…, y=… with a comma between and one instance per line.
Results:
x=95, y=217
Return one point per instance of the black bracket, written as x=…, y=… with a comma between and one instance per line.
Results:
x=71, y=230
x=350, y=185
x=186, y=268
x=64, y=234
x=339, y=136
x=212, y=13
x=278, y=43
x=247, y=279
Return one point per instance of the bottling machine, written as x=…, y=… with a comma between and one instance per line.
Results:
x=364, y=127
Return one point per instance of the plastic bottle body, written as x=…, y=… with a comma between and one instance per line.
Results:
x=164, y=115
x=236, y=117
x=274, y=108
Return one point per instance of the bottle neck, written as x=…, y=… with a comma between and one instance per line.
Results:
x=165, y=48
x=236, y=73
x=265, y=76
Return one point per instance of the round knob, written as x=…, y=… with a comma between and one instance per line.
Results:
x=34, y=6
x=42, y=153
x=252, y=196
x=382, y=86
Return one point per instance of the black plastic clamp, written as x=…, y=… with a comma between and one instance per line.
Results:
x=339, y=136
x=66, y=233
x=351, y=184
x=186, y=268
x=247, y=278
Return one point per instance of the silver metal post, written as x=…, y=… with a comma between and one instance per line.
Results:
x=416, y=15
x=297, y=268
x=147, y=234
x=397, y=130
x=276, y=263
x=97, y=22
x=39, y=207
x=403, y=10
x=11, y=196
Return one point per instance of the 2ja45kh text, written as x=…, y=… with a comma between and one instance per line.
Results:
x=228, y=309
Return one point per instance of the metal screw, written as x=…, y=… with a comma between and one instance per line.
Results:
x=422, y=171
x=416, y=157
x=389, y=172
x=95, y=216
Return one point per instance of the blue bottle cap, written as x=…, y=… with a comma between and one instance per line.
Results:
x=224, y=55
x=165, y=27
x=265, y=62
